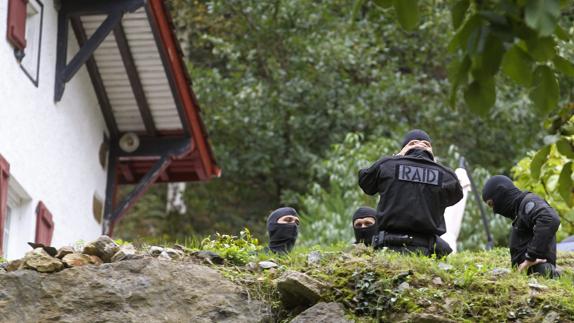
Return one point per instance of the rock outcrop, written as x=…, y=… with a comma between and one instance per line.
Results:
x=141, y=290
x=298, y=290
x=38, y=259
x=104, y=248
x=323, y=312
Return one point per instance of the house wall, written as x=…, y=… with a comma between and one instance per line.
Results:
x=52, y=147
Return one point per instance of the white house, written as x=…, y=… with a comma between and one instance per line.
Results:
x=93, y=94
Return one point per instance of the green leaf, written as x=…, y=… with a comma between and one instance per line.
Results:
x=541, y=49
x=545, y=91
x=384, y=3
x=356, y=8
x=494, y=18
x=480, y=96
x=561, y=33
x=491, y=56
x=537, y=161
x=565, y=184
x=407, y=13
x=461, y=38
x=477, y=40
x=457, y=73
x=518, y=65
x=458, y=12
x=565, y=148
x=564, y=66
x=542, y=15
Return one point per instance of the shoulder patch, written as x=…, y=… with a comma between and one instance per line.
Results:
x=529, y=207
x=418, y=174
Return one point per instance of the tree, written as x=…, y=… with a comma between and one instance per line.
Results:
x=549, y=171
x=520, y=38
x=280, y=82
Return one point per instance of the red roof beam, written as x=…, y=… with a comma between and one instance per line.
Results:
x=161, y=16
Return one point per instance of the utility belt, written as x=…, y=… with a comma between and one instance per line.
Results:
x=391, y=239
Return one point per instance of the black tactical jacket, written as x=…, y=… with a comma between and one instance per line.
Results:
x=534, y=231
x=414, y=193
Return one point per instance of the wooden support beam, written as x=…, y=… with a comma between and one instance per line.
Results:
x=114, y=9
x=61, y=54
x=111, y=189
x=97, y=82
x=76, y=8
x=114, y=213
x=65, y=74
x=155, y=147
x=126, y=172
x=134, y=78
x=141, y=187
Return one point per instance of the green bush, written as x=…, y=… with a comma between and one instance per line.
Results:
x=238, y=250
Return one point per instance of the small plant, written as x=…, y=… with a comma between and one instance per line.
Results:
x=121, y=242
x=237, y=250
x=79, y=245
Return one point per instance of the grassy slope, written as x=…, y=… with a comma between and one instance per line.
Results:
x=366, y=282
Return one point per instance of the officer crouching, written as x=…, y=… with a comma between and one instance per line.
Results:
x=534, y=225
x=414, y=192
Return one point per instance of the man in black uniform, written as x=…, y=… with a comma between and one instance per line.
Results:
x=282, y=227
x=365, y=225
x=414, y=192
x=534, y=225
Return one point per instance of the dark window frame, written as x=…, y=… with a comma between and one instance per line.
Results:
x=35, y=79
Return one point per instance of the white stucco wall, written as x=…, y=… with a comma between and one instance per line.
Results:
x=52, y=147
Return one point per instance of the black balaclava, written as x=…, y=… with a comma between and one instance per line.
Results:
x=417, y=134
x=365, y=235
x=505, y=196
x=282, y=236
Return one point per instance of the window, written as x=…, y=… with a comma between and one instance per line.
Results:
x=4, y=176
x=30, y=63
x=6, y=233
x=17, y=212
x=44, y=225
x=25, y=34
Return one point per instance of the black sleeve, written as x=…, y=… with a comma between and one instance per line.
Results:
x=544, y=222
x=452, y=190
x=368, y=178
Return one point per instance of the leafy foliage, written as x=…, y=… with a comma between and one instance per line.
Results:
x=523, y=35
x=235, y=249
x=327, y=210
x=548, y=171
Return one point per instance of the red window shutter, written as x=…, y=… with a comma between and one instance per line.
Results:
x=44, y=225
x=4, y=176
x=17, y=23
